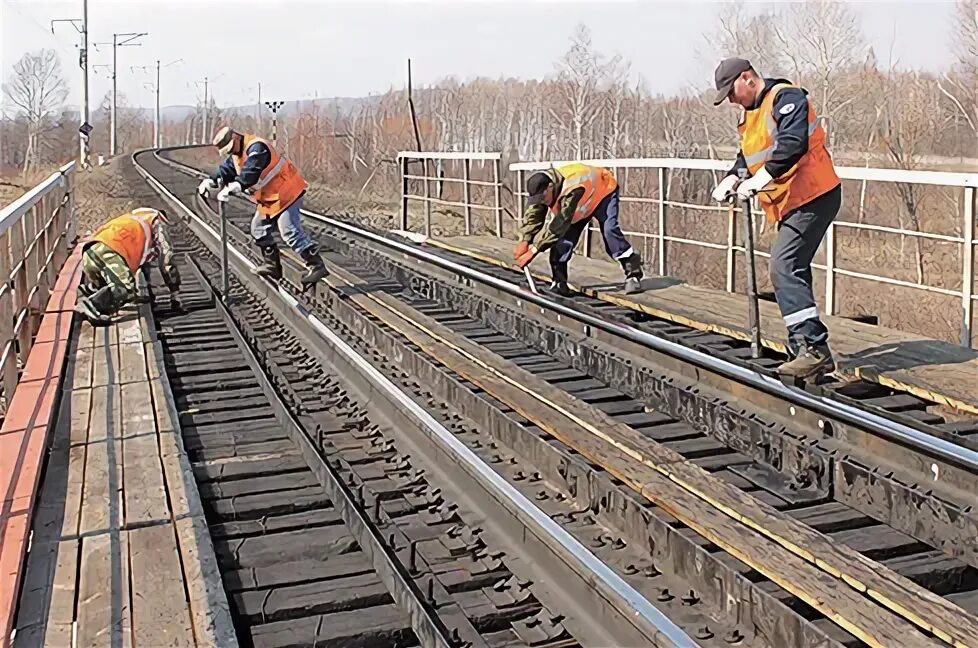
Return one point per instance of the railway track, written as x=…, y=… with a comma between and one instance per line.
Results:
x=418, y=317
x=325, y=530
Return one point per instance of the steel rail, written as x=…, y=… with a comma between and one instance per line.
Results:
x=830, y=409
x=604, y=578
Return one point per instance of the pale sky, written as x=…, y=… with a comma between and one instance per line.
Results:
x=298, y=49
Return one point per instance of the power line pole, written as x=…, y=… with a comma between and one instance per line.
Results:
x=84, y=128
x=261, y=121
x=157, y=117
x=116, y=43
x=204, y=139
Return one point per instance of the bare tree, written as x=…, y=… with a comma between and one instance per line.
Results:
x=39, y=90
x=582, y=73
x=960, y=86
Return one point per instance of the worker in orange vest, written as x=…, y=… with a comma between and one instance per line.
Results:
x=273, y=183
x=573, y=194
x=782, y=145
x=112, y=256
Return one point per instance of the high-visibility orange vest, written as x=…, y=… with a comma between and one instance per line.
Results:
x=598, y=183
x=279, y=184
x=130, y=236
x=810, y=177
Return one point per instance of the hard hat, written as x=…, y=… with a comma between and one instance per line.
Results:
x=224, y=140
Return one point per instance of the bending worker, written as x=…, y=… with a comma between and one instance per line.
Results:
x=574, y=193
x=112, y=256
x=277, y=188
x=782, y=145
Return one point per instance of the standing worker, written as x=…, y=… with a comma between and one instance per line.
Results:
x=782, y=145
x=112, y=256
x=277, y=188
x=574, y=193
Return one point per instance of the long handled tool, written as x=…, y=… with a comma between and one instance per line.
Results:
x=529, y=280
x=753, y=312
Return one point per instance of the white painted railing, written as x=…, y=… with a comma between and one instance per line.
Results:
x=442, y=163
x=35, y=232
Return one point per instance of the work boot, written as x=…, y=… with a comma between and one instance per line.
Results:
x=632, y=265
x=314, y=263
x=97, y=306
x=811, y=361
x=271, y=267
x=559, y=284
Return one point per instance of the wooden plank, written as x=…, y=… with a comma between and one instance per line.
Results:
x=57, y=626
x=160, y=614
x=105, y=360
x=97, y=499
x=132, y=361
x=103, y=616
x=715, y=509
x=138, y=416
x=79, y=403
x=944, y=373
x=209, y=607
x=145, y=492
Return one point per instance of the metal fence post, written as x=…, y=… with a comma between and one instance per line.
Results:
x=468, y=196
x=404, y=194
x=968, y=265
x=662, y=222
x=497, y=188
x=830, y=270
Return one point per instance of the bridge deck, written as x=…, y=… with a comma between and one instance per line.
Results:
x=119, y=552
x=934, y=370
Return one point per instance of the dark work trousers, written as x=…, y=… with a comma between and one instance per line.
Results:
x=799, y=235
x=615, y=243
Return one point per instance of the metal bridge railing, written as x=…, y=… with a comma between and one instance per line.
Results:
x=481, y=195
x=35, y=232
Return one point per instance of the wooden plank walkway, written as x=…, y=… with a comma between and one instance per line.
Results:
x=120, y=553
x=938, y=371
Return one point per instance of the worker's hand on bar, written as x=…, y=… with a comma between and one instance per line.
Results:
x=205, y=185
x=225, y=193
x=752, y=185
x=724, y=189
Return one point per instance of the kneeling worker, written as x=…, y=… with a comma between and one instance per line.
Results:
x=574, y=193
x=274, y=184
x=112, y=256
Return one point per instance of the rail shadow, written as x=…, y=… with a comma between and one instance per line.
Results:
x=894, y=356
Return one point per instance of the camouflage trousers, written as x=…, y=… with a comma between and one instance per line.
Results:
x=102, y=267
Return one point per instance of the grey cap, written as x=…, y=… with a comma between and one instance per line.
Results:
x=725, y=75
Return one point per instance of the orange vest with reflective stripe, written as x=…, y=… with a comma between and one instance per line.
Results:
x=279, y=184
x=810, y=177
x=130, y=236
x=598, y=183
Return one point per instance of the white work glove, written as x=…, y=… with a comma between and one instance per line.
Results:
x=726, y=186
x=205, y=184
x=754, y=184
x=225, y=193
